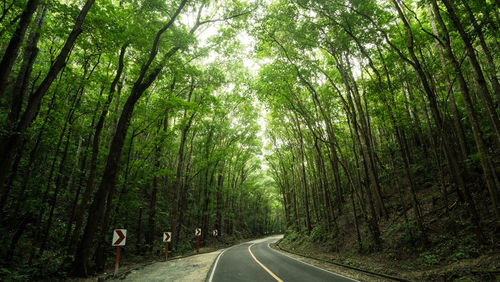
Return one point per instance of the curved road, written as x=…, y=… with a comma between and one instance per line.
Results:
x=256, y=261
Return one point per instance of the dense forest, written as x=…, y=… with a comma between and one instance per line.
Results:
x=360, y=125
x=384, y=125
x=113, y=117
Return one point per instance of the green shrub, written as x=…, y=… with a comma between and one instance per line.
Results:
x=290, y=236
x=318, y=233
x=428, y=258
x=459, y=256
x=7, y=275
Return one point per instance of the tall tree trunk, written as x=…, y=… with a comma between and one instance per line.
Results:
x=366, y=144
x=303, y=178
x=152, y=204
x=450, y=155
x=29, y=56
x=10, y=54
x=89, y=187
x=179, y=193
x=487, y=52
x=80, y=264
x=95, y=151
x=53, y=200
x=371, y=219
x=220, y=204
x=489, y=175
x=478, y=73
x=457, y=116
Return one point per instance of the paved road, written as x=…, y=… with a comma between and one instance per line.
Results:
x=256, y=261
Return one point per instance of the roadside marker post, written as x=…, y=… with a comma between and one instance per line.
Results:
x=117, y=260
x=119, y=239
x=167, y=236
x=197, y=233
x=215, y=233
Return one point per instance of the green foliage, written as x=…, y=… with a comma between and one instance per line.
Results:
x=8, y=276
x=290, y=236
x=428, y=258
x=318, y=234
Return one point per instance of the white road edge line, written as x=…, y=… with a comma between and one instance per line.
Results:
x=310, y=264
x=217, y=260
x=215, y=265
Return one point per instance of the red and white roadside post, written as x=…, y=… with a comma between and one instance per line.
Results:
x=119, y=239
x=215, y=233
x=167, y=236
x=197, y=233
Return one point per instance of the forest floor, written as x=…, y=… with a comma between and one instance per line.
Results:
x=452, y=251
x=483, y=268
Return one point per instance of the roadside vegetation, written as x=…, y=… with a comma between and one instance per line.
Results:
x=383, y=120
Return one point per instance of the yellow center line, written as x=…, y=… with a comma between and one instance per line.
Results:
x=263, y=266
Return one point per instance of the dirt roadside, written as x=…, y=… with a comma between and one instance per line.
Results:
x=193, y=268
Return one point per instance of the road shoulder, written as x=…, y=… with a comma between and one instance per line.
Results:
x=192, y=268
x=349, y=273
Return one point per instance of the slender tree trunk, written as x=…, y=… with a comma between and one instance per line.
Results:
x=152, y=205
x=220, y=204
x=489, y=175
x=10, y=54
x=74, y=205
x=29, y=56
x=26, y=219
x=487, y=52
x=479, y=77
x=371, y=219
x=39, y=219
x=303, y=178
x=53, y=200
x=367, y=144
x=138, y=242
x=450, y=155
x=32, y=156
x=80, y=264
x=178, y=193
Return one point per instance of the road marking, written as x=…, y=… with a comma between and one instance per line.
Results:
x=217, y=260
x=263, y=266
x=215, y=265
x=310, y=264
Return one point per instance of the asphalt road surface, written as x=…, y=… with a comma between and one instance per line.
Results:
x=256, y=261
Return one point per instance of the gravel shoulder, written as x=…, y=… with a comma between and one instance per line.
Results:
x=192, y=268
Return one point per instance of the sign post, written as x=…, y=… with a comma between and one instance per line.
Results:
x=215, y=233
x=197, y=233
x=119, y=239
x=167, y=236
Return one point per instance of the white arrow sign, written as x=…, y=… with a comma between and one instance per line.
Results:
x=119, y=237
x=215, y=233
x=167, y=236
x=197, y=232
